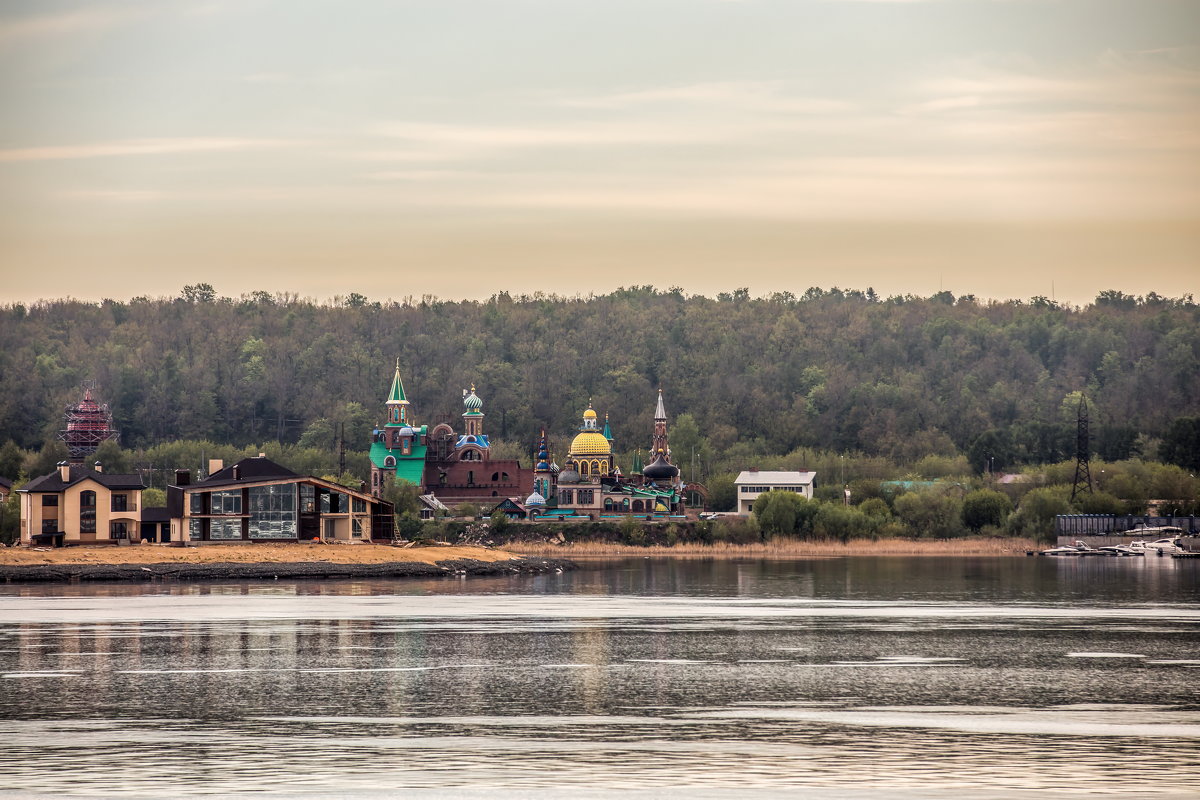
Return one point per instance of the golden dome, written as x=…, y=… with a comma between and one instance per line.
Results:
x=590, y=413
x=590, y=443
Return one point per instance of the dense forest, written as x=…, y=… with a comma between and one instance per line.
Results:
x=900, y=378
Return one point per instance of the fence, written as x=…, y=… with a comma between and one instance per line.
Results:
x=1085, y=524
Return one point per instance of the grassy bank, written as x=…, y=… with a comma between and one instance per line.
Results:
x=784, y=548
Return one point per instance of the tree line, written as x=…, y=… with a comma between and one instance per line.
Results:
x=746, y=379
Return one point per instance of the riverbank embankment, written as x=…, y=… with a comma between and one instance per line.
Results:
x=263, y=562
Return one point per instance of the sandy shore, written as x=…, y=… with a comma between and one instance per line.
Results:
x=282, y=553
x=263, y=562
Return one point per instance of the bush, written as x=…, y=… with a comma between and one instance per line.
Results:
x=930, y=514
x=1035, y=515
x=779, y=513
x=985, y=507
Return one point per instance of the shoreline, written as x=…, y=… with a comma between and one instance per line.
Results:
x=785, y=549
x=263, y=562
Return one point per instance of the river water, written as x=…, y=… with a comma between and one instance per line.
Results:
x=638, y=678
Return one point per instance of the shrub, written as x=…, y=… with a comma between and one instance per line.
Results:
x=930, y=513
x=985, y=507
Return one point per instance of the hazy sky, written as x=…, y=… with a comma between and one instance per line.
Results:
x=1006, y=148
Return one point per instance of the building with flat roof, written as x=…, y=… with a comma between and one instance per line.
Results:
x=751, y=483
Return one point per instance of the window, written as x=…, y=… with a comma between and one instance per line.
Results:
x=504, y=477
x=225, y=529
x=586, y=496
x=119, y=530
x=226, y=502
x=49, y=501
x=273, y=512
x=356, y=528
x=471, y=477
x=87, y=512
x=608, y=504
x=308, y=498
x=119, y=502
x=195, y=529
x=358, y=505
x=637, y=505
x=565, y=497
x=625, y=504
x=196, y=503
x=390, y=461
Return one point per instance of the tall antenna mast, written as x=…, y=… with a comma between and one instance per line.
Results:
x=1083, y=473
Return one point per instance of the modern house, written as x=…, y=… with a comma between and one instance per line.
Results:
x=81, y=505
x=751, y=483
x=259, y=500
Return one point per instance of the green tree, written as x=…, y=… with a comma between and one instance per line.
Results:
x=930, y=513
x=780, y=513
x=112, y=458
x=11, y=458
x=154, y=498
x=1181, y=443
x=1036, y=512
x=984, y=507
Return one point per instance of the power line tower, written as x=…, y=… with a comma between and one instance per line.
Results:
x=1083, y=473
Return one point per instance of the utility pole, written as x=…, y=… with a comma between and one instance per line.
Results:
x=1083, y=473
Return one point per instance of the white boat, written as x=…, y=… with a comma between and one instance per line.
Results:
x=1132, y=549
x=1165, y=546
x=1078, y=548
x=1155, y=531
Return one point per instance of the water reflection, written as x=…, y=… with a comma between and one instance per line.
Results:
x=911, y=677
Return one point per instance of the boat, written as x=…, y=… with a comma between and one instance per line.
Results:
x=1131, y=549
x=1078, y=548
x=1141, y=529
x=1164, y=546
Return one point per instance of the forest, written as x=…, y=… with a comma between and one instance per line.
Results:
x=747, y=380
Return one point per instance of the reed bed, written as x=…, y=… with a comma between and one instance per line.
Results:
x=784, y=548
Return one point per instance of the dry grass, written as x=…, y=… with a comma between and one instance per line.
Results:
x=249, y=554
x=787, y=549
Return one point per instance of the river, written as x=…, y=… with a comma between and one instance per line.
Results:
x=634, y=678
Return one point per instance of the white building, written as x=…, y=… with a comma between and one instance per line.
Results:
x=751, y=483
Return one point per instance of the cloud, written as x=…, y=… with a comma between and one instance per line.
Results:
x=52, y=25
x=137, y=147
x=763, y=96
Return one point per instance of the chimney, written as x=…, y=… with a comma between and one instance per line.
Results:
x=64, y=471
x=754, y=469
x=98, y=467
x=262, y=455
x=237, y=473
x=215, y=465
x=183, y=477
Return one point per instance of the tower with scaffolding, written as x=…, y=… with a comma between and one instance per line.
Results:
x=88, y=424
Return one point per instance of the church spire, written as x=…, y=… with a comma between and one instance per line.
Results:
x=658, y=444
x=397, y=402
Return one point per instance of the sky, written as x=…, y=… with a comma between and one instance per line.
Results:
x=458, y=148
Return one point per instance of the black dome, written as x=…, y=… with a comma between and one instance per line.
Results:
x=659, y=470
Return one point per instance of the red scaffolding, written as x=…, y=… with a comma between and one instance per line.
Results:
x=88, y=424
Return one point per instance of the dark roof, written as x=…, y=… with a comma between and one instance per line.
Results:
x=5, y=482
x=53, y=482
x=258, y=468
x=156, y=514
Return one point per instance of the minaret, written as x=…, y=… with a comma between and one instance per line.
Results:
x=659, y=442
x=543, y=482
x=473, y=416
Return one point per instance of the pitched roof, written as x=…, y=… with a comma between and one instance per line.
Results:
x=409, y=468
x=257, y=468
x=396, y=395
x=53, y=481
x=5, y=482
x=660, y=412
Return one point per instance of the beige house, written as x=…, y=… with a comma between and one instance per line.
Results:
x=81, y=505
x=751, y=483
